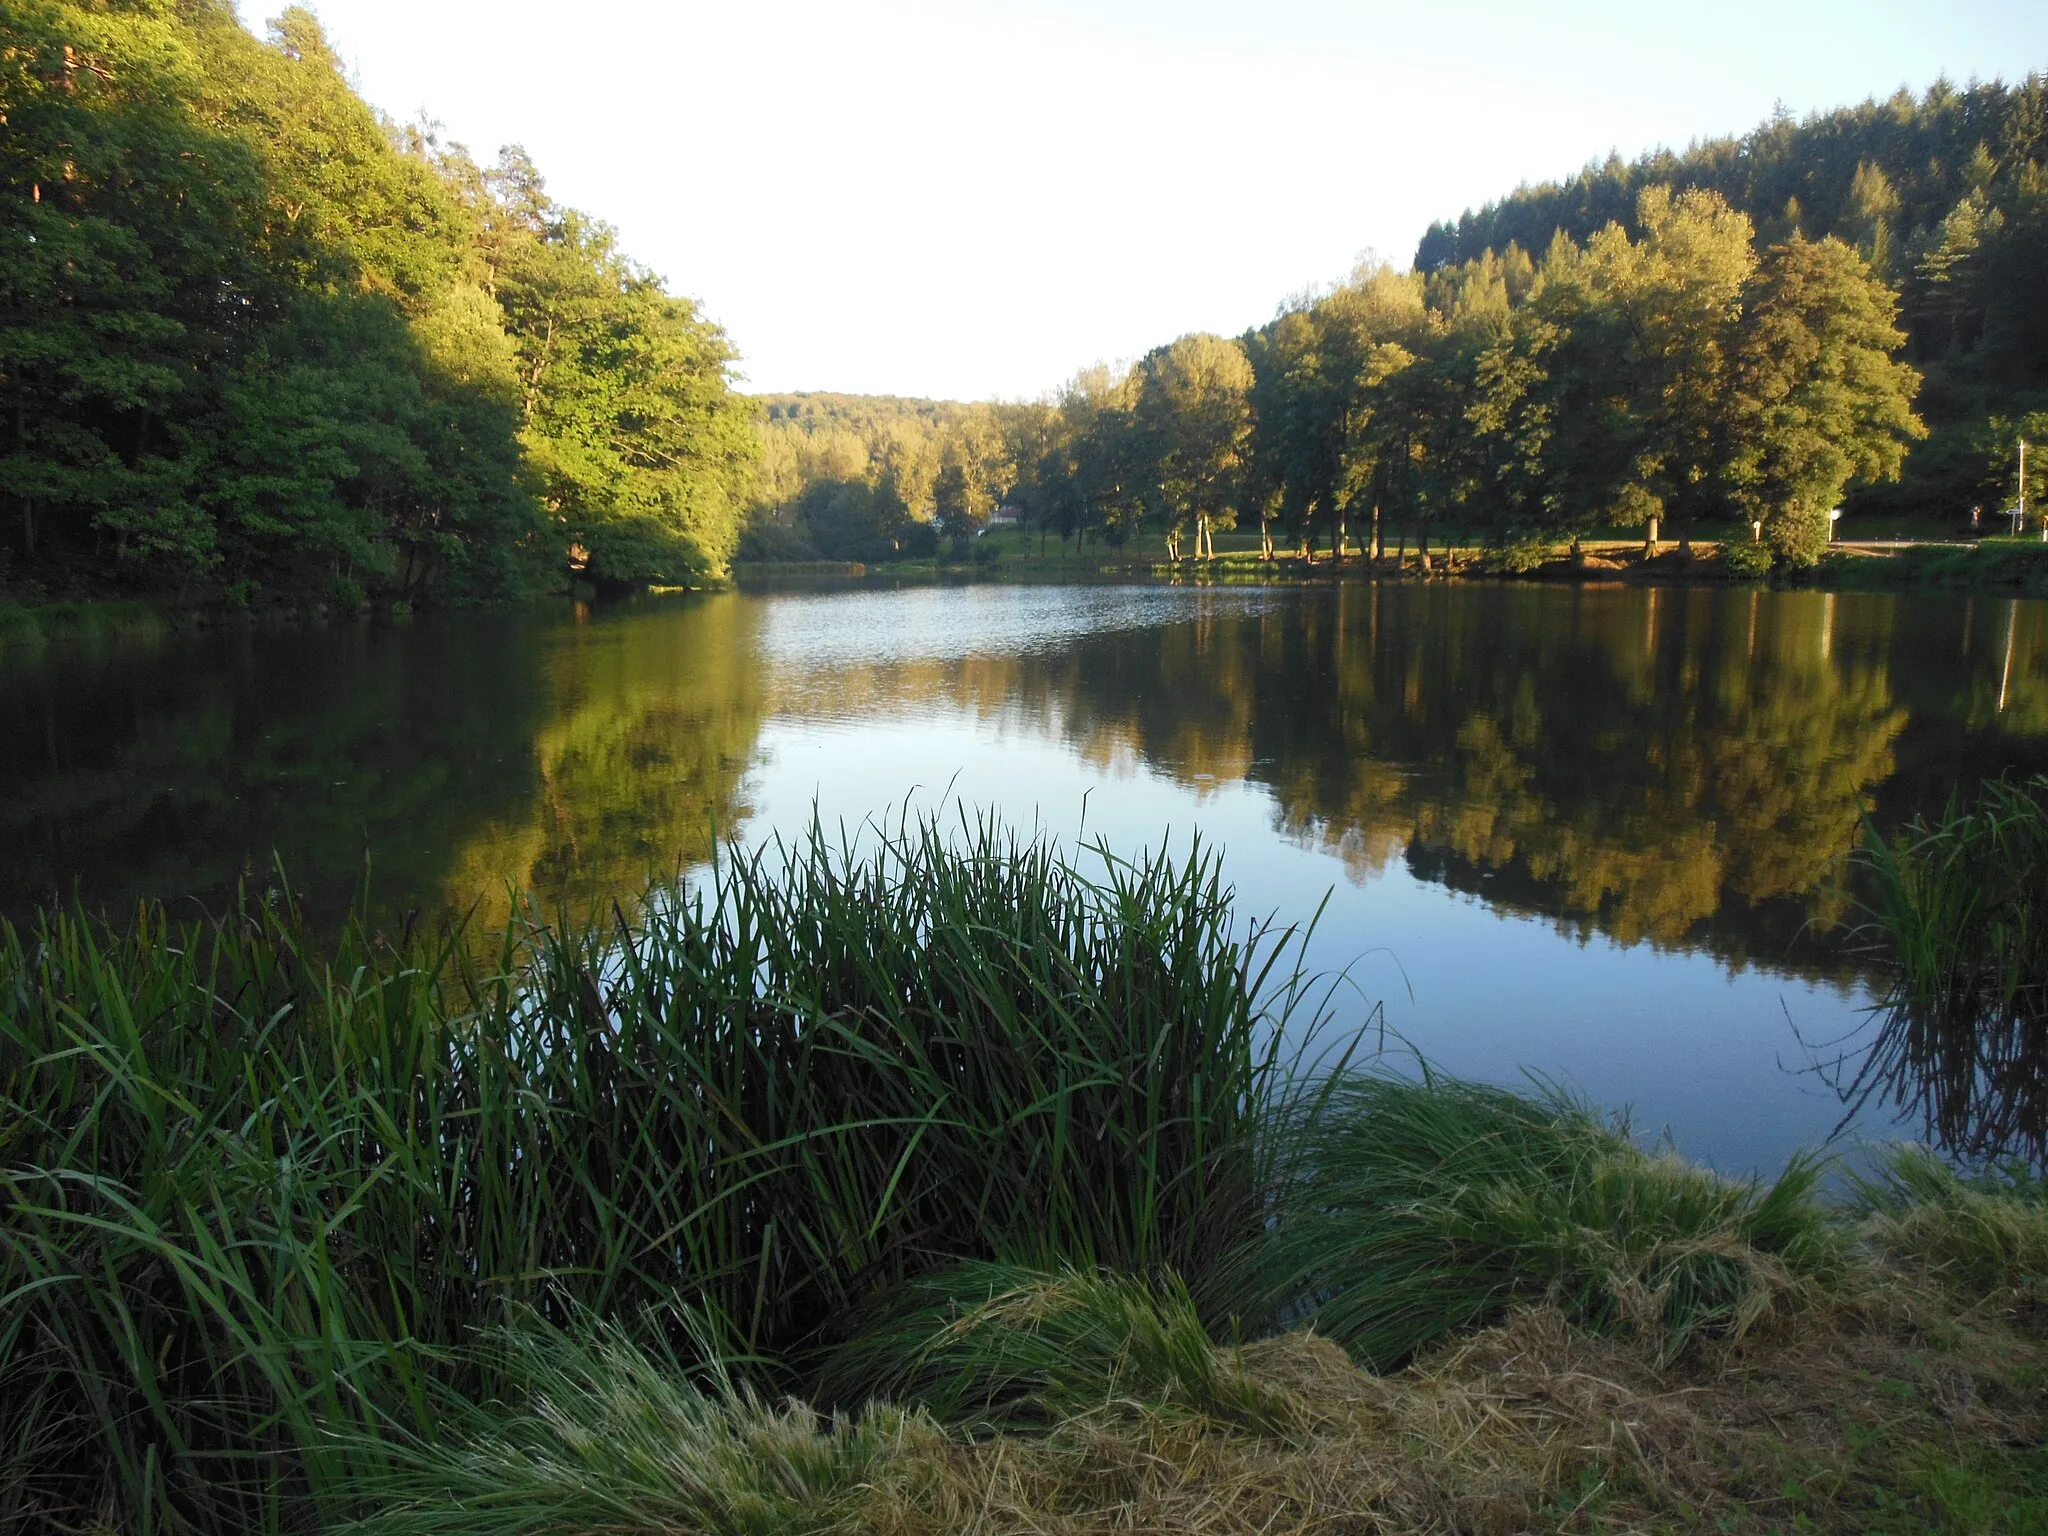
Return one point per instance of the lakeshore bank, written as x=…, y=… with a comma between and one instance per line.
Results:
x=945, y=1182
x=1995, y=567
x=2006, y=567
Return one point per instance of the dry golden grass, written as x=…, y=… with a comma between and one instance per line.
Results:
x=1839, y=1422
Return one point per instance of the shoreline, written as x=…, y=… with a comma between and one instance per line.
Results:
x=2008, y=568
x=2017, y=567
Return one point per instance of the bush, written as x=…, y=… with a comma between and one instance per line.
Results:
x=344, y=594
x=1748, y=560
x=768, y=542
x=1798, y=535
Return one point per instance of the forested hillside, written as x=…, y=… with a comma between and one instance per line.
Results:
x=1674, y=373
x=1733, y=341
x=255, y=339
x=1946, y=197
x=874, y=477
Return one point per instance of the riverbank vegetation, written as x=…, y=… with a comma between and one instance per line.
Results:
x=564, y=1231
x=256, y=341
x=1963, y=903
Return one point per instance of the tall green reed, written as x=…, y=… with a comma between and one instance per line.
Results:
x=257, y=1197
x=1960, y=905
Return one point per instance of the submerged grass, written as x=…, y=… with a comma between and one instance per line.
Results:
x=563, y=1231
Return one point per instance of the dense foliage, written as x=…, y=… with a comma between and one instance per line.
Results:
x=1666, y=371
x=1735, y=334
x=252, y=336
x=873, y=477
x=1944, y=197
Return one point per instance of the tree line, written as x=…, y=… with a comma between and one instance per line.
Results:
x=1669, y=372
x=254, y=337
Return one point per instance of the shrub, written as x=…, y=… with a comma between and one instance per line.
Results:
x=344, y=594
x=1748, y=560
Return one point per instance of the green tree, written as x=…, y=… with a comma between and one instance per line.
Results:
x=1827, y=401
x=1195, y=413
x=124, y=271
x=974, y=472
x=644, y=453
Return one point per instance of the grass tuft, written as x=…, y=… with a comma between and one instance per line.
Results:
x=1983, y=1235
x=607, y=1434
x=1412, y=1210
x=257, y=1190
x=993, y=1345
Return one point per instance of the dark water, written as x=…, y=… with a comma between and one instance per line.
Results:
x=1589, y=833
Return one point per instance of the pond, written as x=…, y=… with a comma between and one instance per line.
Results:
x=1592, y=833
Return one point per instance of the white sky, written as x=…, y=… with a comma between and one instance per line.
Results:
x=976, y=198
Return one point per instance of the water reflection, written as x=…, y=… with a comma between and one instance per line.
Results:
x=1681, y=766
x=1602, y=828
x=448, y=758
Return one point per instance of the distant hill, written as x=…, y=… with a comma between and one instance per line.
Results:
x=820, y=411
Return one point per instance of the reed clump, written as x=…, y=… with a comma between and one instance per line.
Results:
x=1959, y=910
x=1028, y=1169
x=255, y=1195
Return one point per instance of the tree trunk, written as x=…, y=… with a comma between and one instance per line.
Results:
x=1650, y=545
x=1422, y=548
x=1379, y=548
x=1401, y=554
x=1337, y=544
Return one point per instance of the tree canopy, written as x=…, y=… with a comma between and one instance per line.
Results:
x=252, y=335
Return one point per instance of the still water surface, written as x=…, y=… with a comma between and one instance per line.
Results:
x=1589, y=833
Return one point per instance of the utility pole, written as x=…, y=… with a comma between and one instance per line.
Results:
x=2018, y=513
